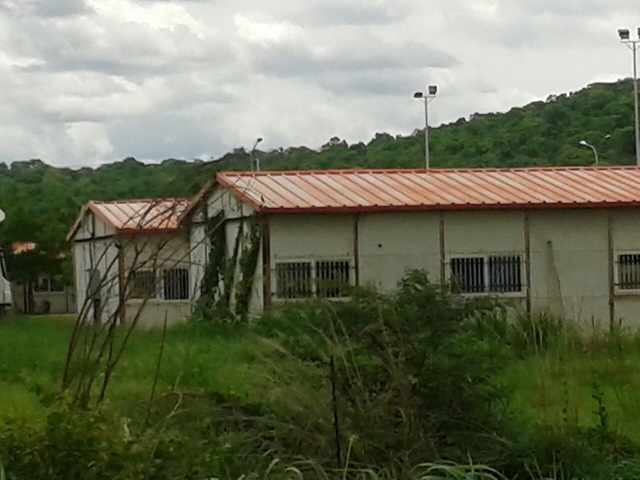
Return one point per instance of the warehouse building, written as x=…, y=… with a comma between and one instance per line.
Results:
x=564, y=240
x=131, y=262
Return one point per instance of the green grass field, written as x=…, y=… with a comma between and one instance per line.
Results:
x=552, y=387
x=210, y=372
x=196, y=359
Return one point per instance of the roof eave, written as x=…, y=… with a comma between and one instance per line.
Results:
x=461, y=207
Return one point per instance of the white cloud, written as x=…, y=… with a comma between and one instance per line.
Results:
x=89, y=141
x=85, y=81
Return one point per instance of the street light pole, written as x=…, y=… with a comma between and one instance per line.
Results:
x=633, y=46
x=257, y=162
x=595, y=152
x=430, y=95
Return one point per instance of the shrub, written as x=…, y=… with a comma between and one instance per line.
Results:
x=413, y=378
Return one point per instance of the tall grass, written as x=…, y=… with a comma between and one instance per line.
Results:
x=418, y=376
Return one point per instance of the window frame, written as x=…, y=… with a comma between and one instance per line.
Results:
x=618, y=290
x=313, y=278
x=486, y=291
x=154, y=278
x=163, y=285
x=159, y=285
x=50, y=281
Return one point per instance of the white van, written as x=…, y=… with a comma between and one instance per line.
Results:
x=5, y=286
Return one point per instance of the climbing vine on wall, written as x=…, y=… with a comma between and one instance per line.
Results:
x=221, y=272
x=248, y=263
x=215, y=267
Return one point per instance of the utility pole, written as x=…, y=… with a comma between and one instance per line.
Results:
x=432, y=90
x=633, y=46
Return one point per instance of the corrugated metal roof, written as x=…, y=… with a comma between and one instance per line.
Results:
x=21, y=247
x=137, y=216
x=447, y=189
x=141, y=215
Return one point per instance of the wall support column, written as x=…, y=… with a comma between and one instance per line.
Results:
x=356, y=249
x=527, y=261
x=122, y=287
x=443, y=257
x=265, y=235
x=611, y=258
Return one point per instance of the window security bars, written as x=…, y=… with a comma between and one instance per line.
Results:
x=332, y=278
x=467, y=274
x=505, y=274
x=322, y=279
x=176, y=284
x=293, y=280
x=487, y=274
x=143, y=284
x=629, y=271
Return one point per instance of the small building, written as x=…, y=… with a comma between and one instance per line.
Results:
x=41, y=292
x=131, y=262
x=565, y=240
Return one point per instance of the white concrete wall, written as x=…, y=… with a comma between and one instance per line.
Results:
x=484, y=232
x=199, y=252
x=569, y=250
x=303, y=236
x=151, y=315
x=221, y=199
x=94, y=248
x=626, y=239
x=311, y=237
x=157, y=253
x=390, y=243
x=62, y=302
x=569, y=264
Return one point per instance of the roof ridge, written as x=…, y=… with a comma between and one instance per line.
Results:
x=267, y=173
x=528, y=187
x=139, y=200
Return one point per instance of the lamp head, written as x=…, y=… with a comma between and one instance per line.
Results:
x=583, y=143
x=623, y=33
x=433, y=89
x=418, y=95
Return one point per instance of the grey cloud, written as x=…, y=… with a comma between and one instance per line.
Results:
x=355, y=53
x=130, y=49
x=343, y=12
x=400, y=82
x=574, y=8
x=536, y=23
x=45, y=8
x=163, y=136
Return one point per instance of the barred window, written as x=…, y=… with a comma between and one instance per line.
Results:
x=293, y=280
x=143, y=284
x=322, y=279
x=629, y=271
x=176, y=284
x=332, y=278
x=505, y=274
x=467, y=274
x=487, y=274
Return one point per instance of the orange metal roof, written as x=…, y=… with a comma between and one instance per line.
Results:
x=446, y=189
x=137, y=216
x=20, y=247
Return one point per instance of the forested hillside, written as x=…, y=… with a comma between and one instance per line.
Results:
x=42, y=202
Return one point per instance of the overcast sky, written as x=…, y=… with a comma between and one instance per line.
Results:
x=83, y=82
